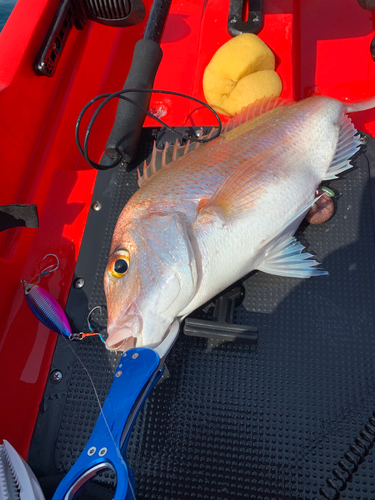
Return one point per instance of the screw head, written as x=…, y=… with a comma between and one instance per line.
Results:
x=56, y=376
x=135, y=355
x=118, y=374
x=97, y=205
x=91, y=451
x=102, y=452
x=79, y=283
x=363, y=139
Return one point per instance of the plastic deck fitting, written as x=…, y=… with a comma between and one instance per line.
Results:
x=275, y=420
x=216, y=320
x=253, y=14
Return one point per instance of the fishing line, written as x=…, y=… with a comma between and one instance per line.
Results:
x=119, y=95
x=101, y=408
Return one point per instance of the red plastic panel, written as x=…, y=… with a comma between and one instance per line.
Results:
x=196, y=42
x=319, y=46
x=41, y=164
x=277, y=33
x=335, y=59
x=180, y=45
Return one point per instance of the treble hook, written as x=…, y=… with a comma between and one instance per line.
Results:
x=113, y=349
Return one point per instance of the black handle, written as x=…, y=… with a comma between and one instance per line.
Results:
x=124, y=137
x=53, y=45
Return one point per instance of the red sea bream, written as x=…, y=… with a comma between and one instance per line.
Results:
x=209, y=217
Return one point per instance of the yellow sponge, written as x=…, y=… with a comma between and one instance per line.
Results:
x=240, y=72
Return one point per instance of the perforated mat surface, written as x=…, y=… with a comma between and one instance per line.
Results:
x=288, y=418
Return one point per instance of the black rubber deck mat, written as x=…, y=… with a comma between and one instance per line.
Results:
x=288, y=418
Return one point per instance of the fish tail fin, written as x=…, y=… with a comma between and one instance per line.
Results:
x=360, y=105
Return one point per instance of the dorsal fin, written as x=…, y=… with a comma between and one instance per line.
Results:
x=255, y=109
x=171, y=152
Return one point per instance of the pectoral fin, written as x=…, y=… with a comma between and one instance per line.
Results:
x=242, y=189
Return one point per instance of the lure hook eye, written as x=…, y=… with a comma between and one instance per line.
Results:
x=27, y=286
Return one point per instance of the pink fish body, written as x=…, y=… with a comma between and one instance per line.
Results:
x=210, y=216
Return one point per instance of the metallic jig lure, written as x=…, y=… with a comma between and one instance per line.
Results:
x=48, y=310
x=44, y=305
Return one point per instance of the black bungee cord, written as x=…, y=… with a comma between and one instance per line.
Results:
x=109, y=97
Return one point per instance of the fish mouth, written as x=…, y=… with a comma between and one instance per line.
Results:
x=123, y=337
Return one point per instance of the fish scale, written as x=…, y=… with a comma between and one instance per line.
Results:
x=228, y=207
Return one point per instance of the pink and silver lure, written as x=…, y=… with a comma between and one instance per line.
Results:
x=44, y=305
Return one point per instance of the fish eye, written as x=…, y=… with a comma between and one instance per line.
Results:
x=119, y=264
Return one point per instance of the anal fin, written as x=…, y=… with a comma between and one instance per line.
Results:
x=286, y=259
x=284, y=256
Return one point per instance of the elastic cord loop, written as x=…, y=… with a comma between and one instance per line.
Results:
x=119, y=94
